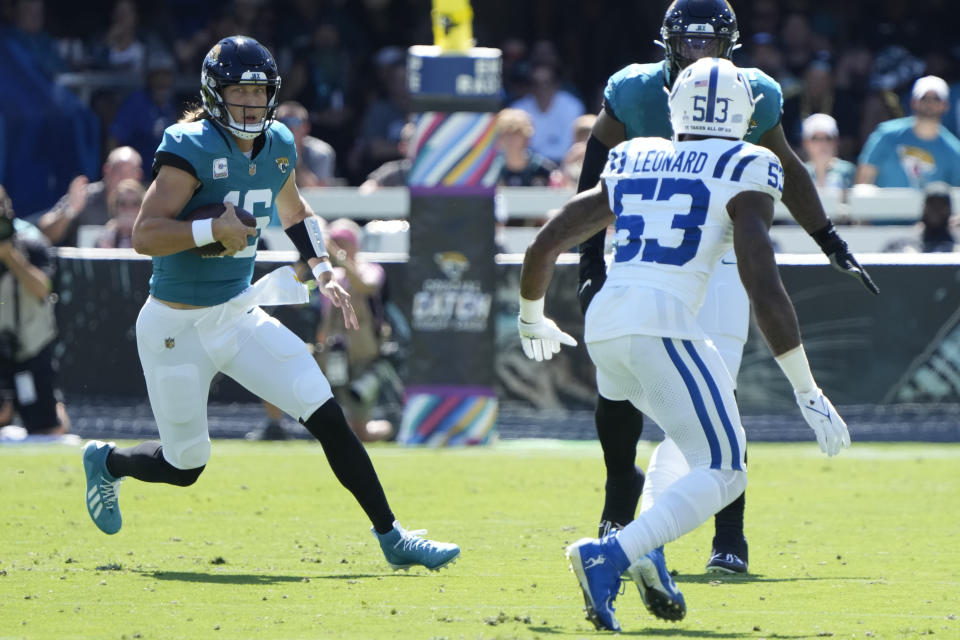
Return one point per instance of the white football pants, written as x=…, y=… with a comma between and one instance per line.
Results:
x=182, y=349
x=685, y=386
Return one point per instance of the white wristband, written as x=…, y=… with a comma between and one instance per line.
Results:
x=795, y=366
x=203, y=232
x=321, y=267
x=531, y=311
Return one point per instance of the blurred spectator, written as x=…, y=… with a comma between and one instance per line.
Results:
x=573, y=158
x=27, y=327
x=142, y=117
x=27, y=34
x=913, y=151
x=120, y=49
x=522, y=167
x=894, y=68
x=329, y=70
x=818, y=95
x=393, y=173
x=851, y=76
x=123, y=205
x=766, y=55
x=383, y=121
x=552, y=110
x=820, y=135
x=515, y=69
x=764, y=16
x=797, y=41
x=86, y=202
x=352, y=360
x=935, y=232
x=315, y=158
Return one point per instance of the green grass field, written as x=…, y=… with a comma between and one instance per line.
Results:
x=268, y=545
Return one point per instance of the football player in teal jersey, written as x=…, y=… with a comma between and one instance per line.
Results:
x=204, y=317
x=635, y=104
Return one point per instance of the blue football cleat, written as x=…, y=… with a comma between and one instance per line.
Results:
x=598, y=565
x=726, y=558
x=404, y=549
x=102, y=487
x=657, y=589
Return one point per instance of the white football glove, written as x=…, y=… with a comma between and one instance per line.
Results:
x=823, y=418
x=541, y=339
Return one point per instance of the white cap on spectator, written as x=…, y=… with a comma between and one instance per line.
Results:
x=926, y=84
x=820, y=124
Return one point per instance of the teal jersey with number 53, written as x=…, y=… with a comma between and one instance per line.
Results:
x=226, y=174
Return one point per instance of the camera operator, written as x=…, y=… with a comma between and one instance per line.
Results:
x=354, y=361
x=27, y=326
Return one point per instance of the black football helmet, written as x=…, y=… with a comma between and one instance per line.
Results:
x=238, y=60
x=694, y=29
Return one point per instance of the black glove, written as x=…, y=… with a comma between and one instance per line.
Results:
x=840, y=257
x=593, y=273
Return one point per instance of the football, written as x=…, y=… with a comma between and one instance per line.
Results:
x=214, y=211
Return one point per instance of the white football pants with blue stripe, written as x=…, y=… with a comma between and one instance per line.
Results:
x=686, y=388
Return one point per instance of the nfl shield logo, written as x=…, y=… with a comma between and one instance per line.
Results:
x=169, y=343
x=253, y=169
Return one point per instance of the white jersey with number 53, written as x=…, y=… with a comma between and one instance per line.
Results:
x=672, y=226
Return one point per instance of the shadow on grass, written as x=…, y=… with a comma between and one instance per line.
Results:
x=257, y=578
x=729, y=578
x=661, y=632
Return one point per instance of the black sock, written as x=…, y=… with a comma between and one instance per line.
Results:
x=619, y=426
x=728, y=522
x=145, y=462
x=729, y=525
x=350, y=463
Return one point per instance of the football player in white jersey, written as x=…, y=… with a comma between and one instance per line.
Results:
x=677, y=206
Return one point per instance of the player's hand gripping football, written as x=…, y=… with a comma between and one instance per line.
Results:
x=823, y=418
x=541, y=339
x=336, y=294
x=231, y=232
x=840, y=257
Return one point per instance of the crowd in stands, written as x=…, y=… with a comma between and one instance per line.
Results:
x=849, y=87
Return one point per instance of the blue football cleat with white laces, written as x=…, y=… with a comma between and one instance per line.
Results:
x=101, y=497
x=404, y=549
x=657, y=589
x=598, y=565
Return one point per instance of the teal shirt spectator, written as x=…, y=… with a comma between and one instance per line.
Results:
x=638, y=98
x=840, y=174
x=904, y=160
x=226, y=174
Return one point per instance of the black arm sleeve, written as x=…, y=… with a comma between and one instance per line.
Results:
x=594, y=158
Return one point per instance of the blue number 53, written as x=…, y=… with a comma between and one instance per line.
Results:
x=633, y=223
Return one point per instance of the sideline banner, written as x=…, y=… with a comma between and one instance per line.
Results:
x=450, y=276
x=897, y=349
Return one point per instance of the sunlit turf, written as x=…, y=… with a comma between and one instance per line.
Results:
x=268, y=545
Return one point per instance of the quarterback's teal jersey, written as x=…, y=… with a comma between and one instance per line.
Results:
x=637, y=97
x=206, y=151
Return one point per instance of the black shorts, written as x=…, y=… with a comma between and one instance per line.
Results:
x=31, y=385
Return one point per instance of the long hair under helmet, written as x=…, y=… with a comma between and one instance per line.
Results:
x=238, y=60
